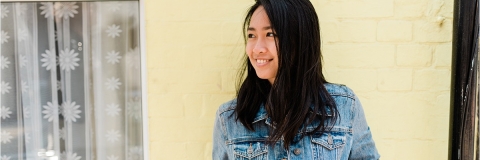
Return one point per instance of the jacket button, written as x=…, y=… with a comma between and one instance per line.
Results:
x=297, y=151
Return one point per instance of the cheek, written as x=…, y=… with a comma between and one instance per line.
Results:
x=249, y=50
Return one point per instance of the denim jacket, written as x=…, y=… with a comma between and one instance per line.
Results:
x=350, y=137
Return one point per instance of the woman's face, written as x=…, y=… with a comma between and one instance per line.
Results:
x=261, y=46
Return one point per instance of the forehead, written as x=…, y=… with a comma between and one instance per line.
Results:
x=259, y=18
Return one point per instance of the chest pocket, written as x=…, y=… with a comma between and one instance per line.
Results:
x=252, y=150
x=328, y=145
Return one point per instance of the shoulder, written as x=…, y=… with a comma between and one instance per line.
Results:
x=228, y=106
x=339, y=90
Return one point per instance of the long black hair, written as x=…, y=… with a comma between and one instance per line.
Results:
x=298, y=96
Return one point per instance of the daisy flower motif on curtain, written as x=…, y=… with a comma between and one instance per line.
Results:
x=47, y=9
x=22, y=61
x=21, y=8
x=66, y=9
x=59, y=85
x=113, y=136
x=132, y=10
x=112, y=109
x=70, y=156
x=4, y=61
x=70, y=111
x=5, y=87
x=113, y=57
x=113, y=31
x=26, y=112
x=114, y=6
x=5, y=137
x=133, y=58
x=112, y=157
x=5, y=11
x=49, y=59
x=22, y=35
x=5, y=112
x=4, y=37
x=134, y=109
x=5, y=157
x=113, y=83
x=68, y=59
x=63, y=133
x=135, y=153
x=51, y=110
x=24, y=87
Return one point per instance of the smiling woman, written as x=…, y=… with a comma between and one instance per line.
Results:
x=286, y=108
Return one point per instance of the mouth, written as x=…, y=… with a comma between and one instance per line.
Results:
x=263, y=61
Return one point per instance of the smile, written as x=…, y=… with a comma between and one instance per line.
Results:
x=263, y=61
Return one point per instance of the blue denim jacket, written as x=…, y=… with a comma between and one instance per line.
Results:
x=350, y=137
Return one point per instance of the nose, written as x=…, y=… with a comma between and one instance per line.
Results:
x=260, y=46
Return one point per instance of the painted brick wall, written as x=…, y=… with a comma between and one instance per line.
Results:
x=395, y=54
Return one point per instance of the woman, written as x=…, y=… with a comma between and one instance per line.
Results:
x=285, y=109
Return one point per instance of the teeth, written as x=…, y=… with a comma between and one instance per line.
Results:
x=262, y=61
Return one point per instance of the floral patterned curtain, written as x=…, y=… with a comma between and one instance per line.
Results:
x=70, y=81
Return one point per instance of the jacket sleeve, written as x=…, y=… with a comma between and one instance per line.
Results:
x=363, y=146
x=219, y=150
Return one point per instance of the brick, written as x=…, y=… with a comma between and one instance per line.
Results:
x=194, y=105
x=199, y=134
x=440, y=8
x=208, y=150
x=418, y=149
x=410, y=8
x=168, y=150
x=426, y=31
x=186, y=33
x=213, y=101
x=395, y=79
x=448, y=9
x=355, y=9
x=193, y=81
x=220, y=57
x=394, y=31
x=442, y=105
x=329, y=31
x=176, y=131
x=196, y=10
x=195, y=150
x=357, y=31
x=357, y=79
x=433, y=80
x=443, y=55
x=232, y=33
x=229, y=81
x=414, y=55
x=166, y=105
x=358, y=56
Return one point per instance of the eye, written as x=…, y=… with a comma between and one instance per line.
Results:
x=251, y=36
x=270, y=34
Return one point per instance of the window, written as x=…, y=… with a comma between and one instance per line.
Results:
x=71, y=81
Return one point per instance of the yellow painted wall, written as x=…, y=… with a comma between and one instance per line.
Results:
x=395, y=54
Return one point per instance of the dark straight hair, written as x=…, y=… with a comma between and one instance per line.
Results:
x=298, y=96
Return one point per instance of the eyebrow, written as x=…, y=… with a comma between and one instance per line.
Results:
x=264, y=28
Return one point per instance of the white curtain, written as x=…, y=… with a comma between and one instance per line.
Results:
x=70, y=81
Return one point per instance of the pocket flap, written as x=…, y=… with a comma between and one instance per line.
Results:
x=330, y=140
x=250, y=149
